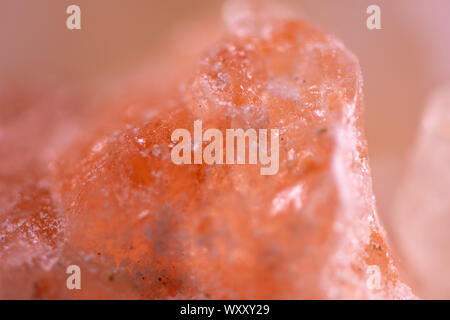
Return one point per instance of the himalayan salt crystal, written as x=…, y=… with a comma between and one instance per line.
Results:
x=140, y=226
x=30, y=228
x=225, y=231
x=422, y=209
x=33, y=127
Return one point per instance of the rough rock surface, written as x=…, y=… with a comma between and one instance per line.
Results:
x=140, y=226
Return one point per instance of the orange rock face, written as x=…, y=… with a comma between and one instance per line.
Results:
x=140, y=226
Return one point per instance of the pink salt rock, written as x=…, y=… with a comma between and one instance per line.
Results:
x=200, y=231
x=140, y=226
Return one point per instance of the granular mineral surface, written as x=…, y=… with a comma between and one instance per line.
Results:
x=140, y=226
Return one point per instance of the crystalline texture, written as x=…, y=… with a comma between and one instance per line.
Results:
x=197, y=231
x=141, y=226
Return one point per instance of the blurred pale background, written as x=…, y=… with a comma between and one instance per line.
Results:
x=401, y=63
